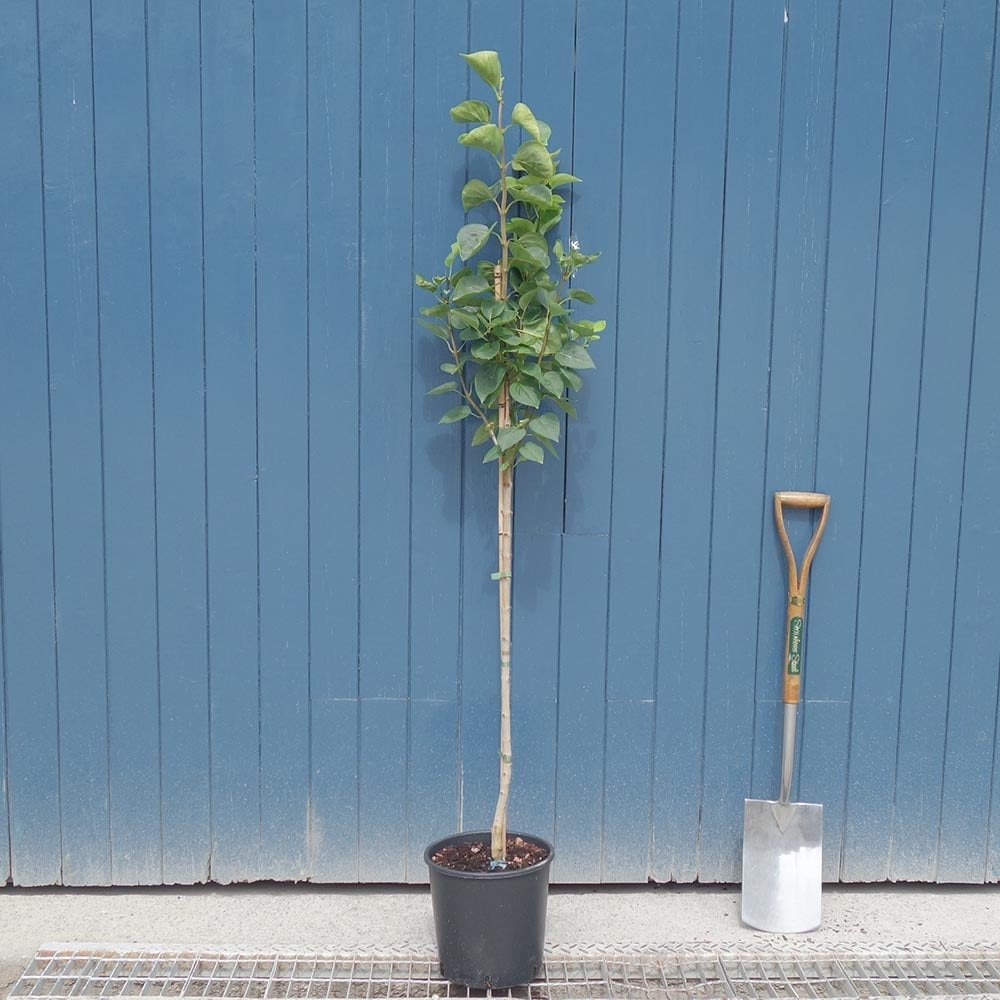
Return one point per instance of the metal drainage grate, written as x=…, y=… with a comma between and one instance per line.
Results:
x=666, y=973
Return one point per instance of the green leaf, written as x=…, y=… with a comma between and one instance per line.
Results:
x=533, y=158
x=469, y=287
x=482, y=434
x=450, y=259
x=472, y=238
x=553, y=383
x=581, y=296
x=435, y=328
x=491, y=455
x=442, y=388
x=545, y=425
x=531, y=452
x=537, y=195
x=574, y=356
x=475, y=193
x=449, y=369
x=484, y=350
x=453, y=416
x=519, y=226
x=487, y=64
x=492, y=309
x=548, y=446
x=565, y=404
x=589, y=328
x=488, y=379
x=422, y=282
x=571, y=378
x=507, y=437
x=531, y=249
x=521, y=115
x=544, y=132
x=470, y=111
x=505, y=334
x=557, y=180
x=524, y=394
x=487, y=137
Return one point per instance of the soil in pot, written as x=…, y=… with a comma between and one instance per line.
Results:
x=474, y=855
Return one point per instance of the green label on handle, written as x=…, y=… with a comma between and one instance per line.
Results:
x=795, y=647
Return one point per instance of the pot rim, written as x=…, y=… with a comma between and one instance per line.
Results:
x=481, y=834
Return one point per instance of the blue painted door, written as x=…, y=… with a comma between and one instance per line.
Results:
x=248, y=625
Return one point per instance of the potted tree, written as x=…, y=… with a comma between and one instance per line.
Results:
x=504, y=312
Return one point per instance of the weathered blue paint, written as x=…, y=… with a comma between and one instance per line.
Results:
x=231, y=462
x=952, y=277
x=31, y=749
x=436, y=496
x=704, y=35
x=247, y=626
x=893, y=400
x=77, y=439
x=282, y=191
x=175, y=189
x=129, y=456
x=745, y=316
x=855, y=200
x=334, y=303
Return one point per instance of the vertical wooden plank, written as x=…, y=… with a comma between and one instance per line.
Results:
x=589, y=448
x=436, y=451
x=981, y=634
x=892, y=419
x=855, y=201
x=75, y=399
x=31, y=773
x=334, y=319
x=282, y=443
x=480, y=685
x=688, y=455
x=386, y=386
x=122, y=176
x=970, y=751
x=580, y=765
x=796, y=349
x=174, y=48
x=227, y=87
x=943, y=403
x=547, y=88
x=744, y=334
x=650, y=45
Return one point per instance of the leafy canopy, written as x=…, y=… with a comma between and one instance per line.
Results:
x=504, y=307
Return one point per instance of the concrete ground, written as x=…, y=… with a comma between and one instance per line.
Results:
x=324, y=918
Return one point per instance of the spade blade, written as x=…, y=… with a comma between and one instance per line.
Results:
x=782, y=865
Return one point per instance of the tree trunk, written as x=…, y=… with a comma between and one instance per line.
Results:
x=505, y=524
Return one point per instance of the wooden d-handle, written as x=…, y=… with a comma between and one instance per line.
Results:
x=792, y=499
x=798, y=582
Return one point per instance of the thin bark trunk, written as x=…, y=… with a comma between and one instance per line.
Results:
x=505, y=539
x=505, y=525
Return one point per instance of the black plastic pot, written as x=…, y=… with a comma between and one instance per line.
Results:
x=490, y=925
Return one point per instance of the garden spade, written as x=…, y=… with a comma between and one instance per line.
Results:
x=783, y=841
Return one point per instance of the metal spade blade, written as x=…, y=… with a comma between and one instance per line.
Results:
x=782, y=865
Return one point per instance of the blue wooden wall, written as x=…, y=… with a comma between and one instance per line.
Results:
x=248, y=627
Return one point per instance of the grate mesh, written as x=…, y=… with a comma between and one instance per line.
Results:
x=651, y=973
